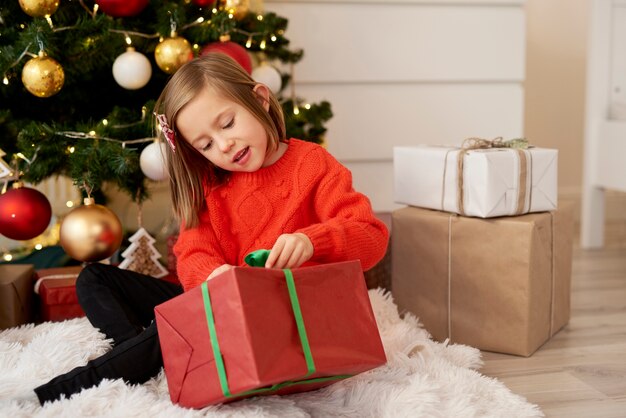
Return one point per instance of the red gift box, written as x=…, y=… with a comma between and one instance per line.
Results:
x=57, y=291
x=255, y=331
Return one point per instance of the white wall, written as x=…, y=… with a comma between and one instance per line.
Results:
x=407, y=72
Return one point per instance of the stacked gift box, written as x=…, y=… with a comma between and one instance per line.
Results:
x=481, y=254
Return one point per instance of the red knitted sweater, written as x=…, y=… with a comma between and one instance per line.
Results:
x=305, y=191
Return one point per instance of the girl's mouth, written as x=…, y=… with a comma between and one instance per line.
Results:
x=241, y=155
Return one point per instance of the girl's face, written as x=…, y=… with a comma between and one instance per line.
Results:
x=225, y=132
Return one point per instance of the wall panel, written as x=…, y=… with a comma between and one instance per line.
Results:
x=370, y=119
x=408, y=72
x=345, y=42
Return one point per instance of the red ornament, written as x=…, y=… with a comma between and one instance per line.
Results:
x=24, y=213
x=122, y=8
x=233, y=50
x=204, y=3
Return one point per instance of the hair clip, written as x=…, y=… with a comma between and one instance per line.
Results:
x=168, y=133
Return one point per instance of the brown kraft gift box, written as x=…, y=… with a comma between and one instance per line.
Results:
x=16, y=294
x=499, y=284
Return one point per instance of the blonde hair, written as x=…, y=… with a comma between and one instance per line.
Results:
x=189, y=171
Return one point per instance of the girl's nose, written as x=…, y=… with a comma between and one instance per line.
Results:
x=226, y=144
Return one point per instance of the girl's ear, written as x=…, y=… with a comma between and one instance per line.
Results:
x=263, y=95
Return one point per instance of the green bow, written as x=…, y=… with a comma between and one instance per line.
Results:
x=257, y=258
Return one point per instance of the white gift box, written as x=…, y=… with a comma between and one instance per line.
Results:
x=494, y=181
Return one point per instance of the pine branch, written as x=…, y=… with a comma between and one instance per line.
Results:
x=308, y=124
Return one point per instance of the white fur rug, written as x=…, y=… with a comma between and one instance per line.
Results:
x=422, y=379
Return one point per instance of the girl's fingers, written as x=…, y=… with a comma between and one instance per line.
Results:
x=294, y=259
x=285, y=254
x=219, y=270
x=275, y=253
x=307, y=246
x=290, y=251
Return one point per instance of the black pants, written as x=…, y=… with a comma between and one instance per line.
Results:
x=121, y=304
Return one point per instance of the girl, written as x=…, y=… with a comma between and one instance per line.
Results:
x=238, y=185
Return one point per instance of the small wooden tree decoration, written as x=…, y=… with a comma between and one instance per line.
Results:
x=5, y=169
x=142, y=257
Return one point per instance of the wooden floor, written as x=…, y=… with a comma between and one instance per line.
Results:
x=581, y=371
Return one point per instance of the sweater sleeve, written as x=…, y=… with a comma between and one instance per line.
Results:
x=198, y=253
x=348, y=229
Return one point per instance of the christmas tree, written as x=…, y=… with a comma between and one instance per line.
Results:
x=79, y=79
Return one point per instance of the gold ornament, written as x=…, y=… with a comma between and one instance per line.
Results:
x=256, y=6
x=43, y=76
x=90, y=232
x=39, y=8
x=171, y=53
x=238, y=8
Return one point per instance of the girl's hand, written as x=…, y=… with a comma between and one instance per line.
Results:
x=290, y=251
x=220, y=269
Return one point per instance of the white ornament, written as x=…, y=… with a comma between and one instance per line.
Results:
x=132, y=70
x=268, y=75
x=153, y=161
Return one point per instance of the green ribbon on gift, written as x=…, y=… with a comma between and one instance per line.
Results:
x=257, y=259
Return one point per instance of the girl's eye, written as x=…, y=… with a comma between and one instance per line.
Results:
x=229, y=124
x=207, y=146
